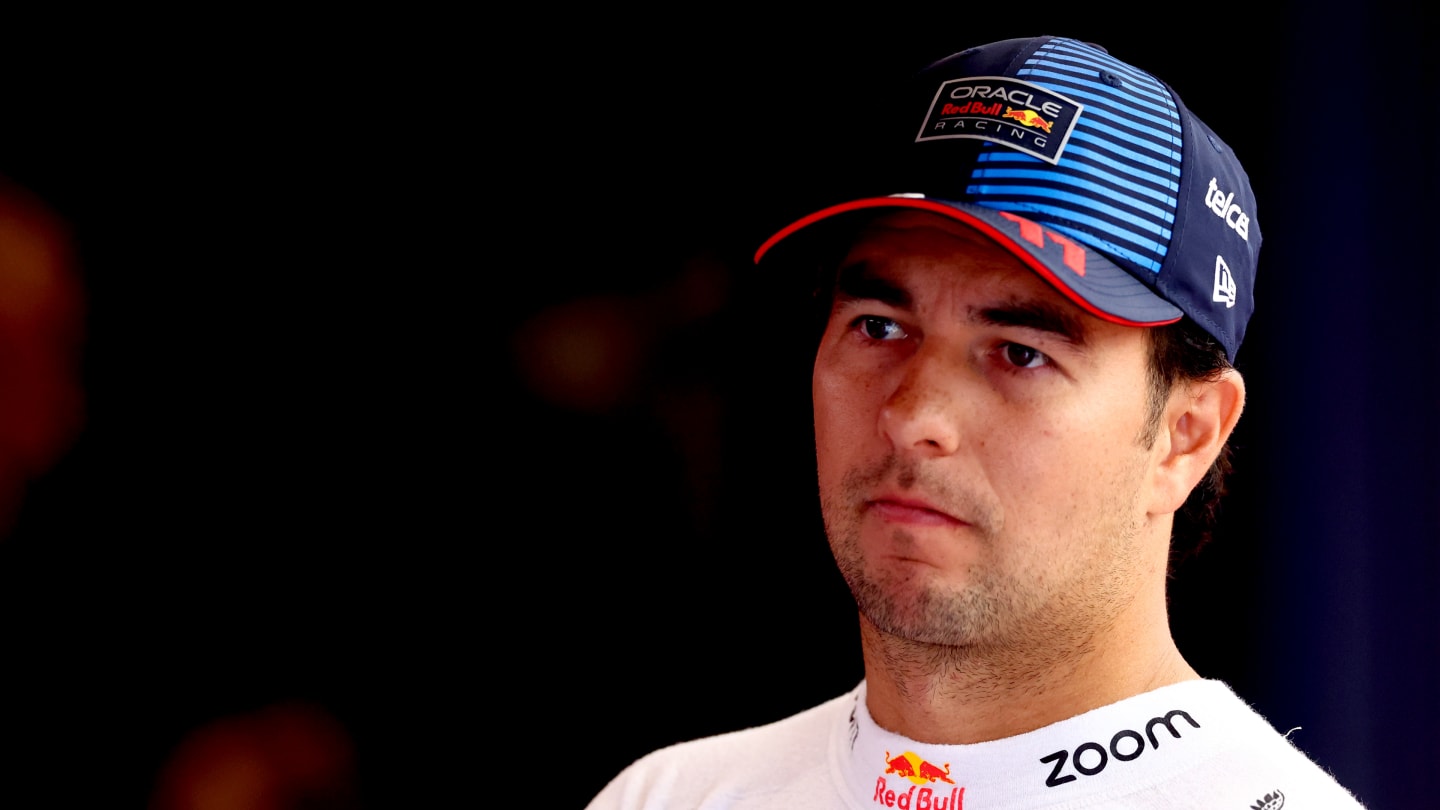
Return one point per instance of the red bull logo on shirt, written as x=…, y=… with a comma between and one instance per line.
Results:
x=920, y=795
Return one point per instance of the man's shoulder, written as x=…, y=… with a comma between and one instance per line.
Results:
x=804, y=730
x=750, y=762
x=1248, y=759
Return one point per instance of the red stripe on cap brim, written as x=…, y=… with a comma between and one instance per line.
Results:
x=964, y=217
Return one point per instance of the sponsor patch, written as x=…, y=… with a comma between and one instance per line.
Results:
x=1018, y=114
x=913, y=767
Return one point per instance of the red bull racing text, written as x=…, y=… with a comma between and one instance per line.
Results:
x=1018, y=114
x=925, y=792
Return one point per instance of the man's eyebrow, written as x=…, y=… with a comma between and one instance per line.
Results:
x=1037, y=315
x=857, y=282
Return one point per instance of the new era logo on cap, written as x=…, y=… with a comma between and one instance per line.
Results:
x=1225, y=290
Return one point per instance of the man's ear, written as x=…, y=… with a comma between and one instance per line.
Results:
x=1198, y=420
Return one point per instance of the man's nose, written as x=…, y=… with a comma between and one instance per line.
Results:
x=923, y=412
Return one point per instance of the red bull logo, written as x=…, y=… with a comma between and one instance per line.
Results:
x=1029, y=118
x=920, y=795
x=971, y=108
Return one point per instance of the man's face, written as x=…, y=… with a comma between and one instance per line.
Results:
x=979, y=438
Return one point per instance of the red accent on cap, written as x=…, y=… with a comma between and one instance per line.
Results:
x=963, y=217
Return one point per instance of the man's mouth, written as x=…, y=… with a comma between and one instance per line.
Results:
x=912, y=511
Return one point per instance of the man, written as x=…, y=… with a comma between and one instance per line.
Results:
x=1025, y=373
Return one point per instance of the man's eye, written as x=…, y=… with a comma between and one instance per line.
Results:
x=1022, y=356
x=877, y=328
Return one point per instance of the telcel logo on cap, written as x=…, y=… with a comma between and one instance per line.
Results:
x=1021, y=115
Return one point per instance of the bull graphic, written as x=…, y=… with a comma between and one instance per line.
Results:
x=911, y=766
x=932, y=773
x=1028, y=117
x=899, y=765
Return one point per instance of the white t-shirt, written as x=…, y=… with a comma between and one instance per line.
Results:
x=1194, y=744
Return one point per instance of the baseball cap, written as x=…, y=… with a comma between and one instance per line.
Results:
x=1088, y=169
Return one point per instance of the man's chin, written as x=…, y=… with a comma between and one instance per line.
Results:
x=929, y=622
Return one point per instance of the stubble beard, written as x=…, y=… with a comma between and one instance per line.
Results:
x=992, y=611
x=927, y=613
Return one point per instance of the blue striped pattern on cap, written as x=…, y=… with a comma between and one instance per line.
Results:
x=1115, y=186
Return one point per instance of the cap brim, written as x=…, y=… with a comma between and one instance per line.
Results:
x=1084, y=276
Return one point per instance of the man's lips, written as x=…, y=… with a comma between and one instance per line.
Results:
x=911, y=511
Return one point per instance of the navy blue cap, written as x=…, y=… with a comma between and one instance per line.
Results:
x=1088, y=169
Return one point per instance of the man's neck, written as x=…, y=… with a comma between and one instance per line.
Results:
x=978, y=693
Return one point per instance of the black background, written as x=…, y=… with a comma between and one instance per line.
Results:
x=333, y=453
x=273, y=496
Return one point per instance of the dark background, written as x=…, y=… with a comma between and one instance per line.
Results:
x=274, y=493
x=428, y=382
